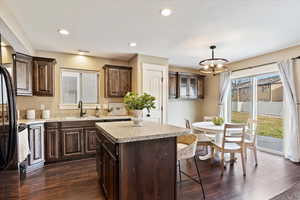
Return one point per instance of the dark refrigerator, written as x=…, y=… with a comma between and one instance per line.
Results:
x=9, y=165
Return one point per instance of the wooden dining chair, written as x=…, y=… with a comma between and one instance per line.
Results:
x=203, y=139
x=186, y=149
x=231, y=143
x=251, y=138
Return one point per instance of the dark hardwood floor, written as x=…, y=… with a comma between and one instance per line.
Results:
x=77, y=180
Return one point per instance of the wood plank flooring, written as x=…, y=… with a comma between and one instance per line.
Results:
x=77, y=180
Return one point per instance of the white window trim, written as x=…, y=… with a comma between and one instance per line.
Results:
x=75, y=106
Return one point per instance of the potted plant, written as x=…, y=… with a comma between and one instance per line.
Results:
x=218, y=121
x=136, y=104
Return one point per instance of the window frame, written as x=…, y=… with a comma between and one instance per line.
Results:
x=79, y=88
x=254, y=107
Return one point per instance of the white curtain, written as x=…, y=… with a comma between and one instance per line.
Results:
x=224, y=88
x=291, y=117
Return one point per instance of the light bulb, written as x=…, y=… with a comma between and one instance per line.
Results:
x=220, y=66
x=205, y=67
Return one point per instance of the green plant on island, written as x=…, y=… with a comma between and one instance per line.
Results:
x=133, y=101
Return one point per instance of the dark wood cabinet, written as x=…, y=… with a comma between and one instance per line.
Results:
x=22, y=74
x=186, y=86
x=90, y=140
x=52, y=145
x=200, y=88
x=130, y=170
x=173, y=82
x=43, y=76
x=36, y=143
x=36, y=158
x=33, y=75
x=109, y=175
x=72, y=142
x=125, y=81
x=117, y=80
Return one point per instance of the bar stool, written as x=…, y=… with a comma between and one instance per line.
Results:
x=186, y=148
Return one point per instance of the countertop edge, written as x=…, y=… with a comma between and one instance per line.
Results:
x=142, y=138
x=40, y=121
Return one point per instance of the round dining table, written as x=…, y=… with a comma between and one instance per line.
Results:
x=215, y=132
x=211, y=128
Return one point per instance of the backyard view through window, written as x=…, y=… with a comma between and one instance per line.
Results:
x=260, y=98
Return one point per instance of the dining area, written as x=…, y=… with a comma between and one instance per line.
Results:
x=217, y=144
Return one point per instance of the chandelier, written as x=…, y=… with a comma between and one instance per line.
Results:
x=213, y=65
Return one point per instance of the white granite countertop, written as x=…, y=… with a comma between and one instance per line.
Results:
x=62, y=119
x=122, y=132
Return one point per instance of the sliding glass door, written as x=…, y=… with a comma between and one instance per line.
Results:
x=241, y=100
x=261, y=98
x=269, y=112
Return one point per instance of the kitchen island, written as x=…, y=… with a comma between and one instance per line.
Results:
x=137, y=163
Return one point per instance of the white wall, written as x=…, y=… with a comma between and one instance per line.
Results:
x=178, y=110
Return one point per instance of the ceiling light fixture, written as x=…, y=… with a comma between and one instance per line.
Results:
x=63, y=31
x=132, y=44
x=166, y=12
x=213, y=65
x=82, y=52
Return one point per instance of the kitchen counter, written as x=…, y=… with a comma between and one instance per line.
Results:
x=121, y=132
x=137, y=162
x=63, y=119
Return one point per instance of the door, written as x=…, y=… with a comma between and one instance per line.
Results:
x=173, y=79
x=109, y=175
x=113, y=82
x=23, y=74
x=43, y=77
x=36, y=143
x=90, y=140
x=260, y=97
x=241, y=100
x=193, y=90
x=125, y=81
x=72, y=142
x=154, y=83
x=52, y=145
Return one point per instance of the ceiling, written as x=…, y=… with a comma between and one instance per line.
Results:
x=239, y=28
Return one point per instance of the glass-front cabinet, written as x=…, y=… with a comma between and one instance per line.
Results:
x=186, y=86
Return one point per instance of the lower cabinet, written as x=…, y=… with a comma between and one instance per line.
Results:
x=36, y=158
x=90, y=140
x=36, y=143
x=109, y=174
x=107, y=168
x=72, y=142
x=69, y=140
x=52, y=148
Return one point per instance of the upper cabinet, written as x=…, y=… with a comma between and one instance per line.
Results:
x=43, y=76
x=33, y=75
x=186, y=86
x=22, y=74
x=117, y=80
x=173, y=82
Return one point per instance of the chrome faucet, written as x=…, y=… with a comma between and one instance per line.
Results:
x=81, y=110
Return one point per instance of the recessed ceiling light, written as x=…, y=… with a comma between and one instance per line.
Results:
x=132, y=44
x=166, y=12
x=63, y=32
x=82, y=52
